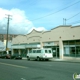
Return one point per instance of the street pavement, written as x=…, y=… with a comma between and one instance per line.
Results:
x=37, y=70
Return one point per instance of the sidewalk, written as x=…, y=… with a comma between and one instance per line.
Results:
x=67, y=60
x=24, y=58
x=63, y=60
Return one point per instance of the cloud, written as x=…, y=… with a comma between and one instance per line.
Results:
x=19, y=22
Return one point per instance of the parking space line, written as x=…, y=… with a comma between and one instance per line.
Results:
x=13, y=65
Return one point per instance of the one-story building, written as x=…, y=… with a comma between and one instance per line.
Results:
x=64, y=41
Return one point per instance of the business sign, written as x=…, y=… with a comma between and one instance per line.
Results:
x=32, y=45
x=76, y=76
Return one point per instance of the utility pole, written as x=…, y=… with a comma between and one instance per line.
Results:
x=64, y=21
x=8, y=18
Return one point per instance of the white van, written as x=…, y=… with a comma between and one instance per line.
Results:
x=40, y=54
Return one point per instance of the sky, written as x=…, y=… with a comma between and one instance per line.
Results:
x=42, y=15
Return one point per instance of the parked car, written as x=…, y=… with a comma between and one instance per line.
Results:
x=16, y=57
x=8, y=56
x=2, y=56
x=5, y=56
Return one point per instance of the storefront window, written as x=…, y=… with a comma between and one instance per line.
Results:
x=78, y=51
x=73, y=49
x=65, y=42
x=16, y=51
x=66, y=51
x=77, y=42
x=23, y=52
x=71, y=42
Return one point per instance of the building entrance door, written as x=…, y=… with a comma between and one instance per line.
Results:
x=55, y=50
x=24, y=52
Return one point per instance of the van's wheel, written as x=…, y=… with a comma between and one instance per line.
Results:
x=47, y=59
x=38, y=58
x=28, y=58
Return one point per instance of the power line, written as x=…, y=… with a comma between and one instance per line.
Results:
x=75, y=22
x=55, y=12
x=64, y=19
x=73, y=16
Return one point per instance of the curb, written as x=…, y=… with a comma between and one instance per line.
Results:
x=65, y=60
x=24, y=58
x=60, y=60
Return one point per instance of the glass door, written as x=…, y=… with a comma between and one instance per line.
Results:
x=55, y=51
x=77, y=51
x=72, y=51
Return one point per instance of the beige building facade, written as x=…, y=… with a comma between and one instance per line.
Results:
x=64, y=41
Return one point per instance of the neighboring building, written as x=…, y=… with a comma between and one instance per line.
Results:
x=3, y=38
x=64, y=41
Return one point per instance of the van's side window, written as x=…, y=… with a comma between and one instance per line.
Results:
x=34, y=51
x=49, y=51
x=30, y=51
x=38, y=51
x=46, y=51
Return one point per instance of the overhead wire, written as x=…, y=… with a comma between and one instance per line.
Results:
x=56, y=11
x=75, y=22
x=73, y=16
